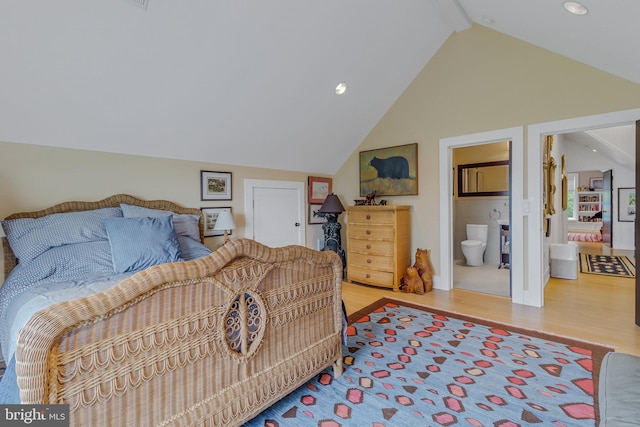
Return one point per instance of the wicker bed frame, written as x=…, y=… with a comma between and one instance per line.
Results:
x=212, y=341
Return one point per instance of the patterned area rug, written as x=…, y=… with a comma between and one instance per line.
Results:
x=407, y=365
x=609, y=265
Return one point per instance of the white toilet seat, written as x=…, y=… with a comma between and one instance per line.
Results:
x=473, y=251
x=473, y=248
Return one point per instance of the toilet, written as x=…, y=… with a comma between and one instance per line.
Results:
x=473, y=248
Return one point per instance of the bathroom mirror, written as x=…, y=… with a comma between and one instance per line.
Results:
x=484, y=179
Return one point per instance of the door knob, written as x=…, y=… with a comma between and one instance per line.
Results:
x=297, y=224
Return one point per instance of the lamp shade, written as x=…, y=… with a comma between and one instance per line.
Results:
x=331, y=205
x=225, y=221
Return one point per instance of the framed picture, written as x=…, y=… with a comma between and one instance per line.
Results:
x=210, y=218
x=319, y=189
x=313, y=207
x=595, y=184
x=215, y=185
x=626, y=204
x=391, y=171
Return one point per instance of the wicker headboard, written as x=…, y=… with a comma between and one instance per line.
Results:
x=10, y=260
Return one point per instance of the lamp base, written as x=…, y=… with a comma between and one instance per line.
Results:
x=332, y=241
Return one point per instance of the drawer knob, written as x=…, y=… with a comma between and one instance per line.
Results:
x=368, y=261
x=368, y=216
x=368, y=276
x=368, y=231
x=368, y=246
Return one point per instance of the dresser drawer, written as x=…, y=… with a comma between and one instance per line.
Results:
x=358, y=231
x=378, y=262
x=371, y=277
x=371, y=217
x=377, y=247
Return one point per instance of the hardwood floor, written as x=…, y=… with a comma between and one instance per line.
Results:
x=599, y=309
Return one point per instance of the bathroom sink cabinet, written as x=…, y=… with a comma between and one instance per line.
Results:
x=378, y=244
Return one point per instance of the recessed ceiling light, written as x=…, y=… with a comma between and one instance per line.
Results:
x=575, y=8
x=341, y=88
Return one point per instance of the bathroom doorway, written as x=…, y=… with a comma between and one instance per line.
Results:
x=518, y=207
x=481, y=211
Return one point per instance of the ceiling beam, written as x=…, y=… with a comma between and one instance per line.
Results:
x=456, y=15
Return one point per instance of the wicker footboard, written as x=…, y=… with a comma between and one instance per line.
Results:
x=206, y=342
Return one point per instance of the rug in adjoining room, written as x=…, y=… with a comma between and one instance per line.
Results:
x=408, y=365
x=608, y=265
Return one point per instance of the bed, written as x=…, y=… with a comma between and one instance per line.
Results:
x=197, y=338
x=584, y=231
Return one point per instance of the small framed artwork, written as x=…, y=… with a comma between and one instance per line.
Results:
x=391, y=171
x=595, y=184
x=210, y=218
x=626, y=204
x=313, y=219
x=319, y=189
x=215, y=185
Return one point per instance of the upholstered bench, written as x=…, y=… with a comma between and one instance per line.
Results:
x=619, y=390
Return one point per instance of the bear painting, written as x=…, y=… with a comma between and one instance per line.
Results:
x=395, y=167
x=391, y=171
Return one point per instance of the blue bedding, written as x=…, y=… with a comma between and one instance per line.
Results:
x=22, y=305
x=72, y=268
x=9, y=391
x=54, y=276
x=77, y=268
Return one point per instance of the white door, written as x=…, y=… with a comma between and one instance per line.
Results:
x=275, y=212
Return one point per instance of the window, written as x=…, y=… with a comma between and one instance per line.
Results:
x=572, y=196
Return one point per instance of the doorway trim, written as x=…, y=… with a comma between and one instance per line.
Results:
x=516, y=136
x=535, y=137
x=251, y=184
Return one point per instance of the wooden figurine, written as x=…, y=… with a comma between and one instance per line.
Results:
x=411, y=282
x=419, y=276
x=425, y=268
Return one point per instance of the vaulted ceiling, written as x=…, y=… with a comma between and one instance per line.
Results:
x=252, y=82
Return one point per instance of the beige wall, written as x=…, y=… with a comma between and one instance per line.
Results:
x=35, y=177
x=481, y=80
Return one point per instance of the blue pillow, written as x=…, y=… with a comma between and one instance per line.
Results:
x=183, y=224
x=66, y=263
x=138, y=243
x=30, y=237
x=191, y=249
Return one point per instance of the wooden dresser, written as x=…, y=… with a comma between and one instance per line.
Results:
x=378, y=244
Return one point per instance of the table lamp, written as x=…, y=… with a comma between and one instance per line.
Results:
x=225, y=223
